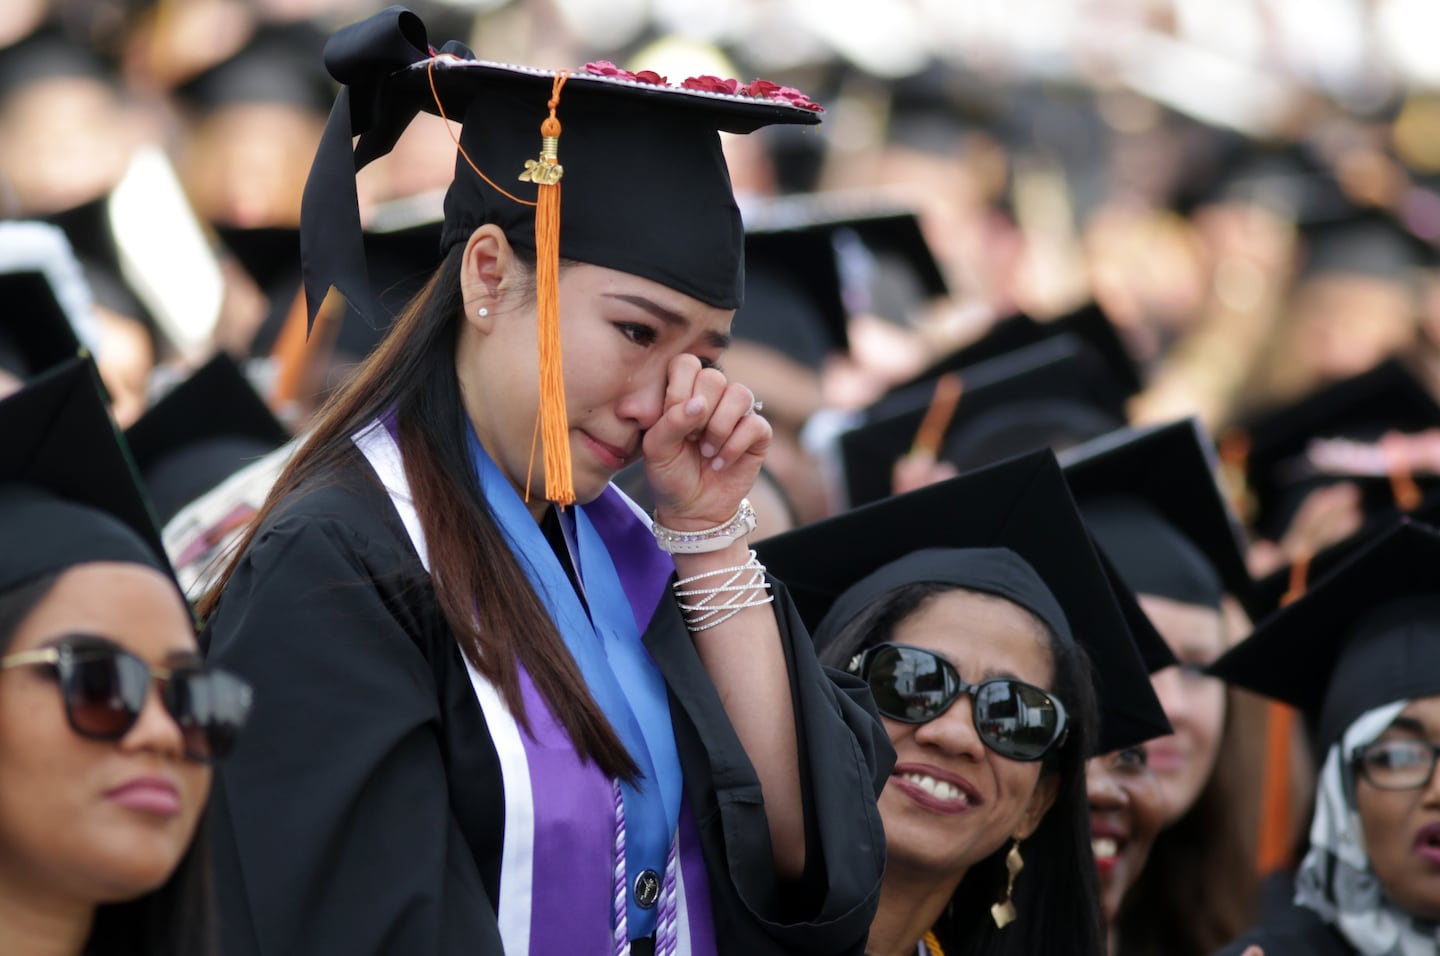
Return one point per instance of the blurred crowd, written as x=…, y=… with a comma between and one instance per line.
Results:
x=1020, y=225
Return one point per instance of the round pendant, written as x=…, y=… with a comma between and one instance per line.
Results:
x=647, y=889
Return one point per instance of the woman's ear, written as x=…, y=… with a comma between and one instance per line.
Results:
x=1041, y=800
x=485, y=274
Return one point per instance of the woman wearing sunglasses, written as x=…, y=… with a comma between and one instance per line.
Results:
x=978, y=657
x=109, y=719
x=1360, y=656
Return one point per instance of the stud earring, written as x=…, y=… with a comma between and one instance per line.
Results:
x=482, y=312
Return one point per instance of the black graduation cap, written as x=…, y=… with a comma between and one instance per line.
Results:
x=1365, y=635
x=827, y=257
x=1279, y=475
x=645, y=190
x=1286, y=178
x=1367, y=243
x=206, y=429
x=48, y=54
x=793, y=296
x=68, y=491
x=1042, y=395
x=1151, y=496
x=281, y=64
x=1109, y=354
x=1022, y=505
x=91, y=233
x=35, y=332
x=1280, y=586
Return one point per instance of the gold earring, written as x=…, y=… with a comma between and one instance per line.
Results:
x=1003, y=912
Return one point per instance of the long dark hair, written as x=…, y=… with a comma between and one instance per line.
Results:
x=1199, y=889
x=1057, y=897
x=176, y=919
x=412, y=372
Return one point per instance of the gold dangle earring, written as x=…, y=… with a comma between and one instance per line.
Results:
x=1003, y=912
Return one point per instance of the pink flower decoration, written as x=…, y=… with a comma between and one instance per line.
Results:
x=761, y=89
x=606, y=68
x=795, y=98
x=650, y=76
x=711, y=84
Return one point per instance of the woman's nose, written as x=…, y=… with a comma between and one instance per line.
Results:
x=643, y=401
x=1101, y=788
x=953, y=731
x=155, y=730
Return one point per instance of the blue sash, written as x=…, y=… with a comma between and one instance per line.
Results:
x=617, y=669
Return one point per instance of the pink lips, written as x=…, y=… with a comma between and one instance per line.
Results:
x=929, y=801
x=611, y=455
x=1427, y=844
x=153, y=795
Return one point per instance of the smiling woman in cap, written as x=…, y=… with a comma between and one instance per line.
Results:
x=491, y=720
x=975, y=609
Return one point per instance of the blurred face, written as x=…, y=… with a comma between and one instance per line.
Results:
x=85, y=820
x=1194, y=703
x=1125, y=814
x=951, y=801
x=1402, y=827
x=618, y=333
x=1346, y=325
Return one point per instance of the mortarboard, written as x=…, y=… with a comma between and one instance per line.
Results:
x=646, y=190
x=794, y=302
x=281, y=64
x=1152, y=499
x=1038, y=396
x=1367, y=634
x=35, y=331
x=1108, y=352
x=207, y=428
x=68, y=491
x=48, y=55
x=1367, y=243
x=1022, y=506
x=1279, y=471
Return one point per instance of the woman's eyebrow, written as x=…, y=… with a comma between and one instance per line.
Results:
x=674, y=319
x=1408, y=723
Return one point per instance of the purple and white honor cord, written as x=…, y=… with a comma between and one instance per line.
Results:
x=666, y=924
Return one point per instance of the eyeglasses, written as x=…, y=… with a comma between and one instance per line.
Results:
x=1397, y=764
x=912, y=685
x=104, y=689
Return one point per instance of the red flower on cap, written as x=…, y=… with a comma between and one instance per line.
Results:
x=761, y=89
x=795, y=98
x=650, y=76
x=711, y=84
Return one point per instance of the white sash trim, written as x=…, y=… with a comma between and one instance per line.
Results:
x=517, y=850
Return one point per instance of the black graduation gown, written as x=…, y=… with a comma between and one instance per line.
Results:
x=1292, y=931
x=362, y=812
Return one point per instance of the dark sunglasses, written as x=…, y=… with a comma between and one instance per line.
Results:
x=912, y=685
x=104, y=688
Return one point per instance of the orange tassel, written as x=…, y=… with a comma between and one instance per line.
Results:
x=1276, y=824
x=930, y=436
x=554, y=421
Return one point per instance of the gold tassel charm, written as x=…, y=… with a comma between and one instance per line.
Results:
x=545, y=171
x=1003, y=912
